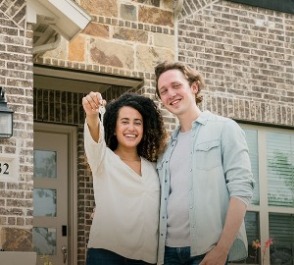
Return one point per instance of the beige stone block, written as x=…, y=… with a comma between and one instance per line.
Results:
x=97, y=30
x=147, y=57
x=107, y=8
x=15, y=239
x=17, y=258
x=128, y=12
x=156, y=16
x=130, y=35
x=163, y=40
x=111, y=54
x=76, y=49
x=168, y=4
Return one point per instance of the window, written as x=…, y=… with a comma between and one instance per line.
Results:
x=271, y=213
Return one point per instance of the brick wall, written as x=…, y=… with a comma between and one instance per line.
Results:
x=16, y=77
x=246, y=55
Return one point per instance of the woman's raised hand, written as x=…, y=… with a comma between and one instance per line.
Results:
x=92, y=102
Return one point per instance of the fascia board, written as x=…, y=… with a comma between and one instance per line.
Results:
x=68, y=18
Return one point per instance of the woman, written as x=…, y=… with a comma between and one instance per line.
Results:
x=126, y=185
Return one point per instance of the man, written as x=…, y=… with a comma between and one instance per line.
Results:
x=205, y=174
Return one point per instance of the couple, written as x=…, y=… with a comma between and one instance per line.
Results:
x=194, y=212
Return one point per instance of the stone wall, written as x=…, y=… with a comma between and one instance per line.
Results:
x=124, y=38
x=16, y=77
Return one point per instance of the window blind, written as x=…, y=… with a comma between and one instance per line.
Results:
x=280, y=169
x=281, y=228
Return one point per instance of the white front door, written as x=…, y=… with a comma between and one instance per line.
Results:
x=52, y=203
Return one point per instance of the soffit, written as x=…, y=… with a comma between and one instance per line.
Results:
x=80, y=81
x=51, y=17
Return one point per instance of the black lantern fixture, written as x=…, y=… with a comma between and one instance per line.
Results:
x=6, y=117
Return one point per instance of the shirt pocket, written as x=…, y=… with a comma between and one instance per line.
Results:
x=208, y=155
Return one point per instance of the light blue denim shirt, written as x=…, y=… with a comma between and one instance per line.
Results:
x=219, y=169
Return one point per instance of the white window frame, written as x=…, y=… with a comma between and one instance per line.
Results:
x=263, y=209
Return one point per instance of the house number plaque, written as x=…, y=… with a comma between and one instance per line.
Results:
x=7, y=167
x=4, y=168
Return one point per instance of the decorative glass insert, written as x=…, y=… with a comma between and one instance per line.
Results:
x=280, y=169
x=45, y=165
x=44, y=240
x=44, y=202
x=281, y=228
x=252, y=141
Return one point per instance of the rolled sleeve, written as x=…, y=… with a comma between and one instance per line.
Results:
x=236, y=162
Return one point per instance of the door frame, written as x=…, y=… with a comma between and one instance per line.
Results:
x=71, y=132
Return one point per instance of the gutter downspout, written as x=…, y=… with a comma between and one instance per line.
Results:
x=48, y=46
x=178, y=6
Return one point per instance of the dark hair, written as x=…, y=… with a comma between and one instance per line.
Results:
x=154, y=133
x=190, y=74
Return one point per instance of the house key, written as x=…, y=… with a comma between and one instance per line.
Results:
x=102, y=111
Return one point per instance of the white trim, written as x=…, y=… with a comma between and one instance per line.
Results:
x=79, y=81
x=71, y=131
x=18, y=257
x=263, y=208
x=66, y=17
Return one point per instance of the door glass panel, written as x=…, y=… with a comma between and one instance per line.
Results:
x=45, y=164
x=50, y=188
x=44, y=240
x=45, y=202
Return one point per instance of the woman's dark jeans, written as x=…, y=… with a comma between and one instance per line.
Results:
x=98, y=256
x=181, y=256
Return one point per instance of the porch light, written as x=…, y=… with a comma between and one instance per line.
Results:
x=6, y=117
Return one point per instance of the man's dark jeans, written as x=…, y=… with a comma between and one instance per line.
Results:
x=181, y=256
x=99, y=256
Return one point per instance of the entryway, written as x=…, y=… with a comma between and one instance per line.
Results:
x=54, y=194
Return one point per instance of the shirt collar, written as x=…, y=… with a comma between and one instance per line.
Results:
x=202, y=119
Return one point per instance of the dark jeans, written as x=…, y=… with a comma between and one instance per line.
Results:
x=181, y=256
x=98, y=256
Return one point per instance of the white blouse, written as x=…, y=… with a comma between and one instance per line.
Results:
x=126, y=217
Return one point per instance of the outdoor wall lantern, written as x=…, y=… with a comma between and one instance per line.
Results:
x=6, y=117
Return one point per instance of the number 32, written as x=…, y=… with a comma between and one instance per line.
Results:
x=4, y=168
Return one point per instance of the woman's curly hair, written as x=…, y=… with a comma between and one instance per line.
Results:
x=154, y=133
